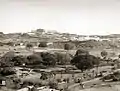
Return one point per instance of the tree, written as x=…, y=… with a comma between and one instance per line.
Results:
x=19, y=60
x=67, y=46
x=44, y=76
x=6, y=63
x=29, y=46
x=104, y=54
x=42, y=44
x=84, y=62
x=40, y=30
x=63, y=58
x=53, y=85
x=7, y=71
x=34, y=59
x=6, y=59
x=81, y=52
x=119, y=56
x=48, y=59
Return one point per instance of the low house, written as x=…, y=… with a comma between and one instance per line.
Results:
x=7, y=81
x=2, y=81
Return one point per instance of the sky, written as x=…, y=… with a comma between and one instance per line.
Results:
x=85, y=17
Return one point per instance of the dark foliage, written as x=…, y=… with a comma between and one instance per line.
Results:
x=19, y=60
x=67, y=47
x=63, y=58
x=84, y=62
x=81, y=52
x=49, y=59
x=40, y=30
x=104, y=53
x=10, y=43
x=42, y=44
x=34, y=59
x=6, y=59
x=7, y=71
x=29, y=45
x=44, y=76
x=53, y=85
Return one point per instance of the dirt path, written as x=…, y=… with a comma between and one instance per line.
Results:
x=77, y=84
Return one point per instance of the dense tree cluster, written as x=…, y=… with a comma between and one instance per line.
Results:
x=83, y=60
x=44, y=58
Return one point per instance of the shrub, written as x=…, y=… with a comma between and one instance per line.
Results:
x=58, y=80
x=67, y=47
x=34, y=59
x=63, y=58
x=48, y=59
x=6, y=60
x=7, y=71
x=42, y=44
x=53, y=85
x=44, y=76
x=81, y=52
x=10, y=43
x=29, y=46
x=19, y=60
x=104, y=54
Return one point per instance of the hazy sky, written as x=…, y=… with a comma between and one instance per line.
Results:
x=74, y=16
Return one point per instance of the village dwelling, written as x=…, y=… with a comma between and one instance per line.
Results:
x=2, y=81
x=7, y=81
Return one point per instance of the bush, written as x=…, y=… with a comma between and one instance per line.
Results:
x=42, y=44
x=34, y=59
x=29, y=46
x=67, y=47
x=6, y=60
x=19, y=60
x=7, y=71
x=10, y=44
x=63, y=58
x=81, y=52
x=59, y=80
x=44, y=76
x=104, y=54
x=53, y=85
x=48, y=59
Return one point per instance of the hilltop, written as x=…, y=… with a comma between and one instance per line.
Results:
x=60, y=39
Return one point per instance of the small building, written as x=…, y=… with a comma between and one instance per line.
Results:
x=7, y=81
x=2, y=81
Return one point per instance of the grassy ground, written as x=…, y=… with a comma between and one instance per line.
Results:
x=36, y=76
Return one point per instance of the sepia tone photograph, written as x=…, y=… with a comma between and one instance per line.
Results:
x=59, y=45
